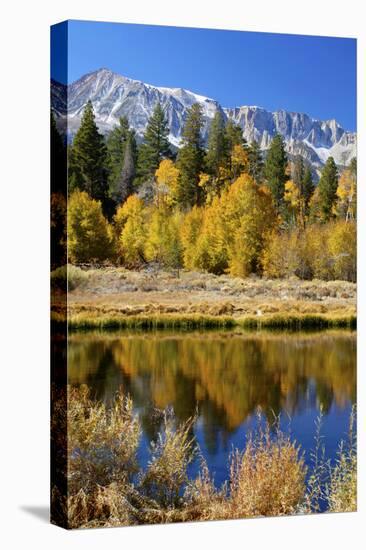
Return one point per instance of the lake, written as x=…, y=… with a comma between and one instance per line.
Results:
x=225, y=377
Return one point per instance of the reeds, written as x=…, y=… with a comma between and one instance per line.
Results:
x=106, y=486
x=96, y=320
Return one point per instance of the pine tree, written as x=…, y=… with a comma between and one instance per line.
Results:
x=353, y=166
x=255, y=159
x=275, y=170
x=116, y=143
x=308, y=188
x=294, y=198
x=233, y=137
x=328, y=185
x=298, y=172
x=216, y=145
x=123, y=187
x=58, y=160
x=87, y=165
x=190, y=159
x=156, y=144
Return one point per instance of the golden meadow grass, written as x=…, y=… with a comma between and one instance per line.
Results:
x=113, y=298
x=107, y=487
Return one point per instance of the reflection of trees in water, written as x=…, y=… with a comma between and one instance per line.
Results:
x=226, y=376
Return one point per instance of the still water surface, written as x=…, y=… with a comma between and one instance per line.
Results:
x=224, y=377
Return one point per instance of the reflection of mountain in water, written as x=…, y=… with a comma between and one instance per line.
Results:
x=227, y=376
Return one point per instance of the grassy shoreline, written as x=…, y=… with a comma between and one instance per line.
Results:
x=85, y=322
x=115, y=298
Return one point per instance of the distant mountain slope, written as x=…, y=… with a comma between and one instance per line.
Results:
x=114, y=95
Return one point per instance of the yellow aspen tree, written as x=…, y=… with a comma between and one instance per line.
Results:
x=295, y=203
x=190, y=230
x=211, y=252
x=239, y=161
x=167, y=176
x=132, y=237
x=343, y=249
x=346, y=193
x=250, y=217
x=89, y=235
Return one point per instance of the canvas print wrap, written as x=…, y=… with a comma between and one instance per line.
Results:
x=203, y=274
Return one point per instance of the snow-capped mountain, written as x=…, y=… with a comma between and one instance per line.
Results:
x=315, y=140
x=114, y=95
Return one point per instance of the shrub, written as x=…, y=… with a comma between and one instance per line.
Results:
x=69, y=275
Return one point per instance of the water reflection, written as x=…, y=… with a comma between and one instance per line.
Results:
x=225, y=376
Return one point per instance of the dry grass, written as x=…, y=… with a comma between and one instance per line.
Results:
x=341, y=491
x=113, y=297
x=107, y=488
x=333, y=487
x=267, y=478
x=166, y=474
x=97, y=436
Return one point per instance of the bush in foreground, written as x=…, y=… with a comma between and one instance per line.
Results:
x=267, y=478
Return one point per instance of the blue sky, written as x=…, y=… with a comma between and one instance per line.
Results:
x=315, y=75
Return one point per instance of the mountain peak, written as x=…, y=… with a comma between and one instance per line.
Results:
x=114, y=95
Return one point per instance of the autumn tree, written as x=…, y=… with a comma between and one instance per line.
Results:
x=211, y=249
x=163, y=244
x=167, y=183
x=130, y=220
x=342, y=244
x=347, y=195
x=190, y=159
x=327, y=189
x=156, y=144
x=294, y=203
x=190, y=231
x=287, y=253
x=275, y=170
x=234, y=229
x=239, y=161
x=174, y=256
x=87, y=163
x=90, y=237
x=250, y=216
